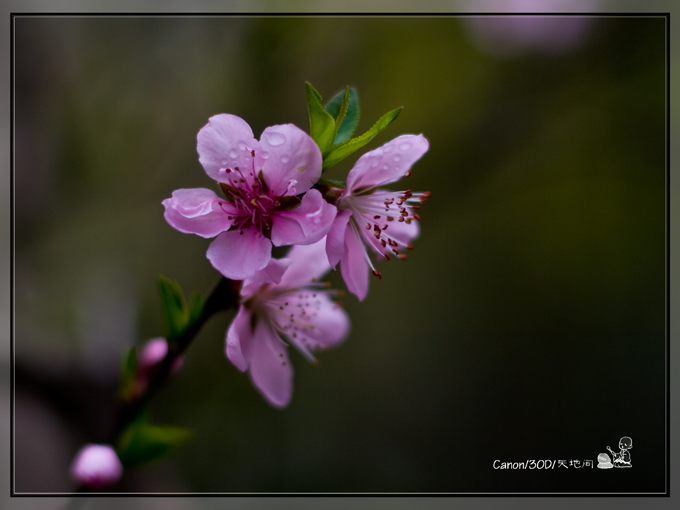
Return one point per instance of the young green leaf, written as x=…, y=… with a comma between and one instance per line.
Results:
x=129, y=376
x=343, y=112
x=321, y=123
x=340, y=152
x=195, y=307
x=174, y=306
x=331, y=182
x=142, y=442
x=350, y=120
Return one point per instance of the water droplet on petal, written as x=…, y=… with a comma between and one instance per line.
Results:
x=265, y=155
x=242, y=146
x=396, y=158
x=385, y=167
x=233, y=154
x=284, y=159
x=375, y=163
x=388, y=148
x=405, y=146
x=275, y=139
x=224, y=162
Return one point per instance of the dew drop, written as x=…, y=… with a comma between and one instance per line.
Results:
x=385, y=167
x=224, y=162
x=275, y=139
x=233, y=154
x=396, y=158
x=405, y=146
x=375, y=163
x=388, y=148
x=242, y=146
x=265, y=155
x=284, y=159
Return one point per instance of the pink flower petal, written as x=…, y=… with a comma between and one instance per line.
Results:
x=354, y=266
x=308, y=263
x=226, y=142
x=197, y=211
x=270, y=368
x=291, y=155
x=270, y=274
x=239, y=254
x=239, y=340
x=388, y=163
x=331, y=323
x=335, y=240
x=96, y=465
x=306, y=224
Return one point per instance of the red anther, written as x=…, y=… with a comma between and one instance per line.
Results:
x=416, y=216
x=382, y=241
x=377, y=273
x=376, y=217
x=416, y=207
x=252, y=153
x=390, y=218
x=423, y=200
x=408, y=173
x=385, y=226
x=394, y=250
x=404, y=213
x=410, y=246
x=401, y=218
x=408, y=221
x=339, y=303
x=228, y=170
x=368, y=226
x=402, y=257
x=392, y=242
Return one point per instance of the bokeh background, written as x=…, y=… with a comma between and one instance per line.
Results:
x=529, y=323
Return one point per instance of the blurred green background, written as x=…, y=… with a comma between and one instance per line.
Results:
x=529, y=323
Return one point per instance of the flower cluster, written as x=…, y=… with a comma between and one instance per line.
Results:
x=272, y=196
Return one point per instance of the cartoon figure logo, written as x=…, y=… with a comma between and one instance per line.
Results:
x=622, y=459
x=603, y=461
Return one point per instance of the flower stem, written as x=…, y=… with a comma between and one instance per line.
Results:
x=224, y=296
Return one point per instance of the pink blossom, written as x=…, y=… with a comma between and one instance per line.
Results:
x=150, y=356
x=96, y=465
x=283, y=305
x=536, y=30
x=261, y=181
x=382, y=219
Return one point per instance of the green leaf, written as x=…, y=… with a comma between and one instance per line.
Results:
x=321, y=123
x=129, y=377
x=195, y=307
x=176, y=311
x=350, y=120
x=341, y=115
x=142, y=442
x=340, y=152
x=331, y=182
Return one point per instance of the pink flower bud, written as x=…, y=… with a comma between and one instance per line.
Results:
x=153, y=353
x=96, y=465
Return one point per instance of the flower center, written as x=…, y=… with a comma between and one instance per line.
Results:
x=291, y=313
x=249, y=196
